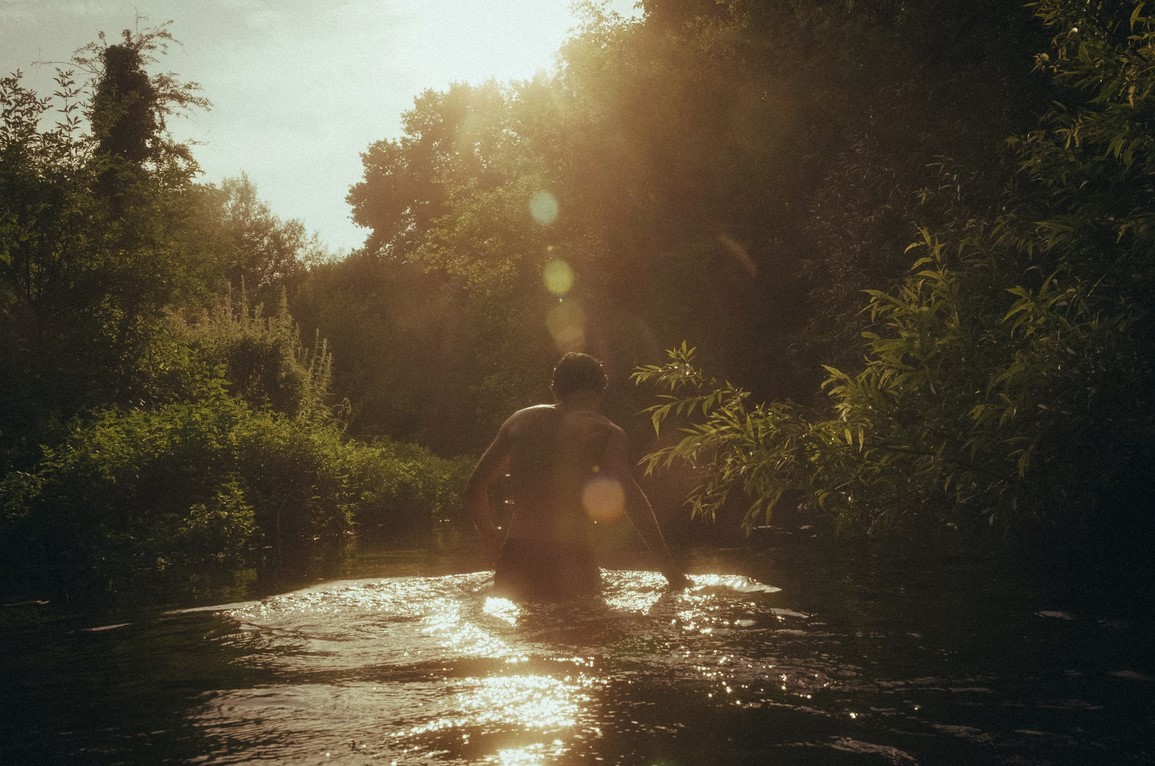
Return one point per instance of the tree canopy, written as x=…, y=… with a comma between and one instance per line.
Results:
x=1006, y=384
x=915, y=235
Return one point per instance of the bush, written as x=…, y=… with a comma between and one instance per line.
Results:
x=159, y=496
x=189, y=492
x=404, y=487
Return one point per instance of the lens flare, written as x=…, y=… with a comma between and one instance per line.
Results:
x=567, y=324
x=558, y=277
x=603, y=499
x=543, y=208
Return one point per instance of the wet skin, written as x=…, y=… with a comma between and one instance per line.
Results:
x=567, y=464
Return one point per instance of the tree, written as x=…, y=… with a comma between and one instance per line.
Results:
x=455, y=258
x=156, y=427
x=129, y=108
x=90, y=262
x=1007, y=384
x=262, y=254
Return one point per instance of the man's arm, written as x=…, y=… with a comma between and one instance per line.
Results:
x=476, y=498
x=642, y=514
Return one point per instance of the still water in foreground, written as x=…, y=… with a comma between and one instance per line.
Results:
x=791, y=657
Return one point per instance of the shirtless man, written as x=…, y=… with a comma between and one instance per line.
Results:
x=569, y=468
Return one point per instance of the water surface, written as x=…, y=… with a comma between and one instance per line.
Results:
x=793, y=657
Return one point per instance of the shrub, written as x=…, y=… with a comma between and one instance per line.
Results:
x=156, y=496
x=403, y=487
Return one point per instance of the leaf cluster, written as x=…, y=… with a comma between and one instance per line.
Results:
x=1007, y=382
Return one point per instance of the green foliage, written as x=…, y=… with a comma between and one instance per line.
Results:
x=153, y=435
x=262, y=254
x=263, y=359
x=698, y=160
x=130, y=106
x=933, y=90
x=720, y=448
x=187, y=492
x=740, y=451
x=1007, y=383
x=136, y=497
x=92, y=247
x=732, y=172
x=453, y=264
x=401, y=487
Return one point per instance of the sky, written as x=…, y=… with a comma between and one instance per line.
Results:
x=300, y=88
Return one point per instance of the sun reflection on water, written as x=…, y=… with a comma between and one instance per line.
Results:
x=514, y=702
x=531, y=755
x=436, y=670
x=641, y=599
x=502, y=608
x=441, y=666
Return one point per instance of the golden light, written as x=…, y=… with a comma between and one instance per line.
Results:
x=641, y=599
x=567, y=324
x=543, y=208
x=558, y=277
x=445, y=619
x=603, y=499
x=532, y=755
x=528, y=702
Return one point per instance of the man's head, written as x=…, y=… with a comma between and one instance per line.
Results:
x=578, y=372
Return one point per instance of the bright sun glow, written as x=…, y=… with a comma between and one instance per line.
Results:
x=300, y=89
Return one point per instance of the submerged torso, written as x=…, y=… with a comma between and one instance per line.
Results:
x=549, y=545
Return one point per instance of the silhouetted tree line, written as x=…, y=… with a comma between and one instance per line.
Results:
x=161, y=421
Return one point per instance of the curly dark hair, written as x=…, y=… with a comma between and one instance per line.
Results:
x=578, y=372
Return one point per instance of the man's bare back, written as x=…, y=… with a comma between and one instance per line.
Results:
x=568, y=467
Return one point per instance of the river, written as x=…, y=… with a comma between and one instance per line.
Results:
x=791, y=654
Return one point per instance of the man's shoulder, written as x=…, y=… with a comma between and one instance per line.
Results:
x=528, y=415
x=533, y=411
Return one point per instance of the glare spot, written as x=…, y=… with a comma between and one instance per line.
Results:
x=527, y=701
x=737, y=583
x=603, y=499
x=462, y=635
x=639, y=600
x=543, y=207
x=502, y=608
x=567, y=324
x=558, y=277
x=531, y=755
